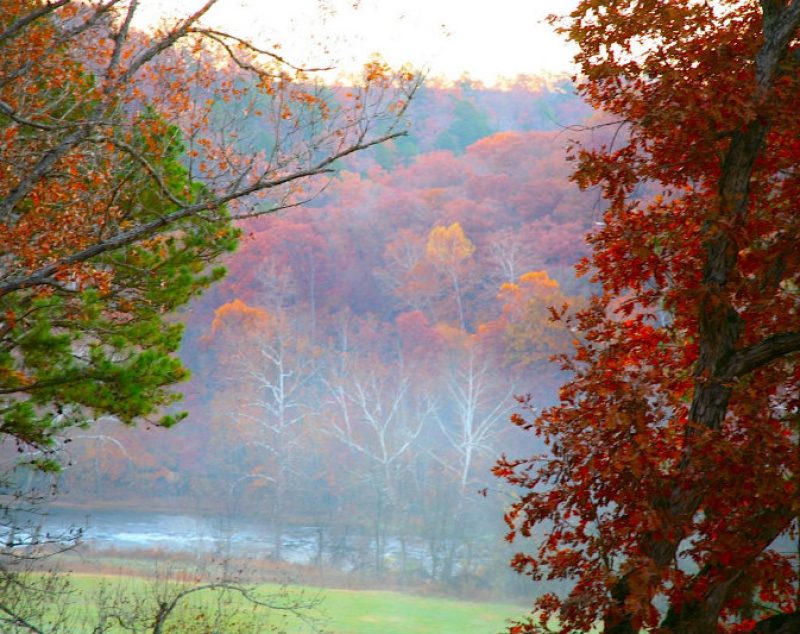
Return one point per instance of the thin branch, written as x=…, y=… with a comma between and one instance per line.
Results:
x=17, y=621
x=137, y=156
x=99, y=12
x=44, y=274
x=11, y=114
x=247, y=66
x=216, y=35
x=167, y=608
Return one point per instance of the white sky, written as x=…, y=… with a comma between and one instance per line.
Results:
x=487, y=40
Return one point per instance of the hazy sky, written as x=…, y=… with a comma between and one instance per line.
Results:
x=450, y=37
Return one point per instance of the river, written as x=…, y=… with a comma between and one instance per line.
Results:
x=179, y=532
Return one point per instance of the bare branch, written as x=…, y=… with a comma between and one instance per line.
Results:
x=139, y=158
x=167, y=608
x=17, y=621
x=272, y=210
x=218, y=36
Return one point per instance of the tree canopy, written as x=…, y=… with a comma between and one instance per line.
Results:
x=670, y=490
x=120, y=177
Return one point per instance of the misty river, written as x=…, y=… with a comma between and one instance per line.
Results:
x=180, y=532
x=131, y=530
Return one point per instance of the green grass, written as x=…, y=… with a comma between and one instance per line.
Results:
x=341, y=611
x=361, y=612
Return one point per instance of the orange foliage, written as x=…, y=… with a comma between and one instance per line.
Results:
x=237, y=318
x=448, y=246
x=530, y=335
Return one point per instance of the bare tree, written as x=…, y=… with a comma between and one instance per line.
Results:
x=192, y=602
x=272, y=371
x=377, y=415
x=469, y=418
x=510, y=254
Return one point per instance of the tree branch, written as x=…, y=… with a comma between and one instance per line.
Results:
x=18, y=621
x=164, y=43
x=20, y=24
x=139, y=158
x=42, y=167
x=94, y=18
x=218, y=36
x=760, y=354
x=11, y=114
x=121, y=36
x=167, y=608
x=44, y=274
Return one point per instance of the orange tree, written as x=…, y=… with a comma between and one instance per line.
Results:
x=123, y=164
x=669, y=495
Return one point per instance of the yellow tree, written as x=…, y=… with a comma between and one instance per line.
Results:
x=450, y=251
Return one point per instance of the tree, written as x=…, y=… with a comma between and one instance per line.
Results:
x=449, y=251
x=530, y=335
x=117, y=192
x=509, y=253
x=673, y=472
x=374, y=412
x=206, y=597
x=469, y=420
x=269, y=370
x=469, y=124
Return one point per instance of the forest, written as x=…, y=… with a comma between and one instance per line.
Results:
x=387, y=326
x=521, y=357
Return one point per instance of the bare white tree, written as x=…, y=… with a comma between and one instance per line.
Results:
x=379, y=417
x=268, y=373
x=469, y=416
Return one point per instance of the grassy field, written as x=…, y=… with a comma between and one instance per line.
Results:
x=339, y=612
x=361, y=612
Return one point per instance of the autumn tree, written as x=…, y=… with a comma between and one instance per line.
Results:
x=530, y=336
x=672, y=477
x=117, y=193
x=404, y=257
x=449, y=251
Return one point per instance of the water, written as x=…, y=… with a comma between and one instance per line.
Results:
x=176, y=532
x=132, y=531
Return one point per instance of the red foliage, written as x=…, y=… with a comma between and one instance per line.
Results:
x=674, y=459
